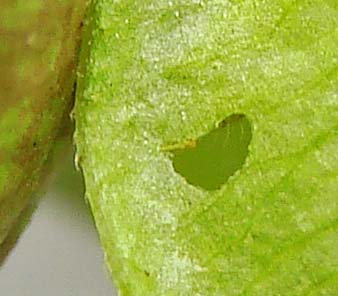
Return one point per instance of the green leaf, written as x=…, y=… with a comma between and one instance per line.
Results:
x=210, y=160
x=159, y=73
x=38, y=44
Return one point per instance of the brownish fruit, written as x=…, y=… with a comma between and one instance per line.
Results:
x=38, y=54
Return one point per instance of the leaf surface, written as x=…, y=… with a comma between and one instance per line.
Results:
x=159, y=72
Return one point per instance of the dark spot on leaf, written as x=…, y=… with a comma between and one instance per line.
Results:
x=146, y=273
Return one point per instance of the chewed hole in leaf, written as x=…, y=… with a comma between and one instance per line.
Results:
x=210, y=160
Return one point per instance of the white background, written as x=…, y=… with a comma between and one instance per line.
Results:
x=59, y=253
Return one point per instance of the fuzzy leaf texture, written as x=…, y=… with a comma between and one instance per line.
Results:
x=39, y=40
x=158, y=77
